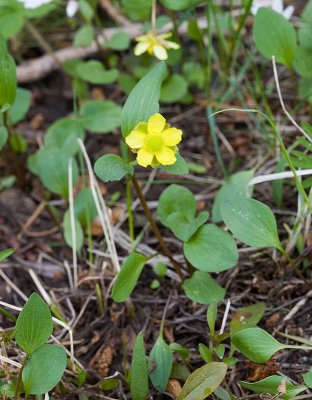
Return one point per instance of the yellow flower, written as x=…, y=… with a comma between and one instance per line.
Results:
x=155, y=44
x=154, y=142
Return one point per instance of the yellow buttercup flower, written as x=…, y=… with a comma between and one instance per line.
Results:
x=155, y=44
x=155, y=142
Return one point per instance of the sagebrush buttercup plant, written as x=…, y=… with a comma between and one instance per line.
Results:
x=156, y=45
x=154, y=142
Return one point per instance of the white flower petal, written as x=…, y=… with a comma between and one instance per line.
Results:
x=72, y=8
x=141, y=48
x=288, y=12
x=160, y=52
x=31, y=4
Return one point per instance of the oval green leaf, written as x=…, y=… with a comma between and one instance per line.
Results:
x=211, y=249
x=256, y=344
x=111, y=167
x=270, y=385
x=160, y=364
x=202, y=382
x=128, y=276
x=34, y=324
x=101, y=116
x=44, y=369
x=275, y=36
x=251, y=221
x=203, y=289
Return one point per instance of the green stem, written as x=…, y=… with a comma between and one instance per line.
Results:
x=154, y=227
x=19, y=378
x=154, y=15
x=297, y=347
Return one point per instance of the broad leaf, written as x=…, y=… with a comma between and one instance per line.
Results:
x=94, y=72
x=236, y=186
x=68, y=235
x=63, y=134
x=139, y=372
x=203, y=289
x=20, y=106
x=52, y=166
x=3, y=136
x=256, y=344
x=247, y=317
x=202, y=382
x=44, y=369
x=271, y=384
x=84, y=207
x=101, y=116
x=180, y=167
x=174, y=199
x=34, y=324
x=173, y=89
x=160, y=364
x=119, y=41
x=303, y=62
x=128, y=276
x=275, y=36
x=184, y=227
x=308, y=378
x=84, y=36
x=111, y=167
x=211, y=249
x=251, y=221
x=143, y=99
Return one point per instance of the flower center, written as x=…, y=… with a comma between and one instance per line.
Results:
x=154, y=143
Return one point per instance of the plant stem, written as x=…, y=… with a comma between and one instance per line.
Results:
x=130, y=215
x=154, y=15
x=154, y=227
x=19, y=378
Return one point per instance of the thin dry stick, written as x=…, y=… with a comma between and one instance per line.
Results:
x=291, y=119
x=9, y=361
x=226, y=313
x=13, y=286
x=72, y=221
x=102, y=211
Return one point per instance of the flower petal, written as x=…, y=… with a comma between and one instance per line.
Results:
x=166, y=156
x=144, y=158
x=288, y=12
x=160, y=52
x=172, y=45
x=135, y=139
x=141, y=48
x=172, y=136
x=156, y=124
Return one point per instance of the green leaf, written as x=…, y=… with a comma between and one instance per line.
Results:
x=173, y=89
x=94, y=72
x=176, y=198
x=202, y=382
x=101, y=116
x=63, y=135
x=236, y=186
x=211, y=249
x=3, y=136
x=160, y=364
x=68, y=232
x=109, y=384
x=183, y=227
x=256, y=344
x=84, y=207
x=20, y=106
x=203, y=289
x=11, y=17
x=112, y=168
x=4, y=254
x=303, y=62
x=180, y=167
x=52, y=167
x=86, y=10
x=137, y=9
x=308, y=378
x=128, y=276
x=178, y=5
x=271, y=384
x=143, y=99
x=84, y=36
x=34, y=324
x=212, y=312
x=247, y=317
x=251, y=221
x=44, y=369
x=119, y=41
x=275, y=36
x=139, y=372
